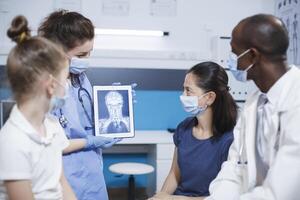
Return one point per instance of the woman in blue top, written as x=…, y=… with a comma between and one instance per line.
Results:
x=82, y=159
x=202, y=141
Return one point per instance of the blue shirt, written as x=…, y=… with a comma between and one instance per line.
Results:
x=83, y=169
x=199, y=161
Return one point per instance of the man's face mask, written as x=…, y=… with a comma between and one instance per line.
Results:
x=240, y=75
x=78, y=65
x=190, y=105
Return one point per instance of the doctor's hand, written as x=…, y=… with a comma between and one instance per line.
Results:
x=133, y=85
x=95, y=142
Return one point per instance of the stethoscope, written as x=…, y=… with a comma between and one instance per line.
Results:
x=62, y=119
x=81, y=92
x=242, y=161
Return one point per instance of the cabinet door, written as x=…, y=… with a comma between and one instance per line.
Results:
x=164, y=157
x=165, y=151
x=163, y=168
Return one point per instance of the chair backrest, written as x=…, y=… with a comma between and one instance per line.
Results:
x=5, y=108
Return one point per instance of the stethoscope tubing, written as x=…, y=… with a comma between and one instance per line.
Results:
x=63, y=120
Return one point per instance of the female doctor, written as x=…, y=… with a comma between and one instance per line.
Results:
x=83, y=158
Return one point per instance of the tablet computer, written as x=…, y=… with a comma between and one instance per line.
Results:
x=113, y=111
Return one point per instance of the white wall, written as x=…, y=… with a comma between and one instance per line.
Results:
x=192, y=25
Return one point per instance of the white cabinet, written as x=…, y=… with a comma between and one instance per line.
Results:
x=164, y=151
x=164, y=157
x=163, y=168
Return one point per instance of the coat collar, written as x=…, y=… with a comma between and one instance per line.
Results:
x=286, y=86
x=278, y=94
x=19, y=120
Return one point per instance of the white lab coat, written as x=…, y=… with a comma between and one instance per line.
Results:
x=238, y=181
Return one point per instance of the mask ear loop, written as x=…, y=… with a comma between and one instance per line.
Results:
x=245, y=52
x=202, y=97
x=249, y=67
x=66, y=86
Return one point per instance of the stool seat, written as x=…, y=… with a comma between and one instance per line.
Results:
x=131, y=168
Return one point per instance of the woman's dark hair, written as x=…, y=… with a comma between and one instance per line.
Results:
x=30, y=58
x=212, y=77
x=70, y=29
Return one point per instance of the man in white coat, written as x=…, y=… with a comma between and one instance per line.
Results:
x=264, y=159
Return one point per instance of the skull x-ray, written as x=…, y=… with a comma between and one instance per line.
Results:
x=113, y=111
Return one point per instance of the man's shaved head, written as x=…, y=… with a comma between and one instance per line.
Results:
x=264, y=32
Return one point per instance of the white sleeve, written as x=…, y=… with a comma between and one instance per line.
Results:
x=63, y=140
x=228, y=183
x=15, y=162
x=283, y=178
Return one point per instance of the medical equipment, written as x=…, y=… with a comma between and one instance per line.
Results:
x=62, y=119
x=78, y=65
x=190, y=105
x=81, y=92
x=113, y=106
x=240, y=75
x=242, y=161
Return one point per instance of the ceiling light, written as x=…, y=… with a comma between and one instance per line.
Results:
x=126, y=32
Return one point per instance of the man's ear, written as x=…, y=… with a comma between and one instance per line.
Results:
x=255, y=55
x=211, y=97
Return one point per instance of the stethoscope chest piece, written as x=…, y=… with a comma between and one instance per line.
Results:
x=63, y=121
x=242, y=162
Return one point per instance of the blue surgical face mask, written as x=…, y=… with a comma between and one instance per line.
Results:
x=240, y=75
x=190, y=105
x=78, y=65
x=58, y=102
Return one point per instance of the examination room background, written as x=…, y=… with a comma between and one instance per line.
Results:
x=198, y=31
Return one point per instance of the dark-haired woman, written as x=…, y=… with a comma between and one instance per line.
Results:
x=31, y=141
x=202, y=140
x=83, y=158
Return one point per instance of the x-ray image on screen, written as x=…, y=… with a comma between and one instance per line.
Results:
x=115, y=115
x=113, y=110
